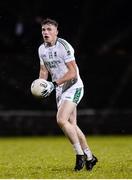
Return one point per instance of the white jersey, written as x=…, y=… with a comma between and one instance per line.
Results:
x=55, y=58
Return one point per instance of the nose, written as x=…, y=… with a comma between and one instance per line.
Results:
x=45, y=32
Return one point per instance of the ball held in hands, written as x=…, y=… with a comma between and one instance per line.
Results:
x=41, y=88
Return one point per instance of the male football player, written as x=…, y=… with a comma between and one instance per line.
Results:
x=57, y=58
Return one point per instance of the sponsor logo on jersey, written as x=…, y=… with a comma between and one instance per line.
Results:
x=52, y=64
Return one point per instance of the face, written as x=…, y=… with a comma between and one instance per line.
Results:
x=49, y=33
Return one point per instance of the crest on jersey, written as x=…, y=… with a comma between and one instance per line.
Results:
x=50, y=55
x=55, y=54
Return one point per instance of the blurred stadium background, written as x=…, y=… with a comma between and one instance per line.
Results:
x=101, y=33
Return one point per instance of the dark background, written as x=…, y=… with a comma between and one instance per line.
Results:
x=100, y=32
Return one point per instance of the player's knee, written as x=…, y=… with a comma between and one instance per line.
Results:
x=60, y=120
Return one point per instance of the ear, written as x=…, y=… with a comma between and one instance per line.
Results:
x=57, y=32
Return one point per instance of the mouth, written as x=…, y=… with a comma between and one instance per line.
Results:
x=46, y=37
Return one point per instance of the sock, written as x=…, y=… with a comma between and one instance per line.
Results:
x=78, y=149
x=88, y=153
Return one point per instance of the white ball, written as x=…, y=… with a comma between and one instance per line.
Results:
x=38, y=86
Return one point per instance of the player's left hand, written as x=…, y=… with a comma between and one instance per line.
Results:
x=48, y=89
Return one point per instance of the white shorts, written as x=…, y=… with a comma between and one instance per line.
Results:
x=72, y=94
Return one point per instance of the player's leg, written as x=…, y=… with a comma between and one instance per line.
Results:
x=81, y=136
x=90, y=159
x=63, y=115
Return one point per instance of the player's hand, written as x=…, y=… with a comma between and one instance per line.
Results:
x=48, y=89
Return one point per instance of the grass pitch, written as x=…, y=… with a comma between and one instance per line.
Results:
x=54, y=158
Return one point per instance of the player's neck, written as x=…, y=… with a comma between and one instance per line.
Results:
x=49, y=44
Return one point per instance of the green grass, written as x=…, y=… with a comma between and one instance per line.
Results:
x=53, y=158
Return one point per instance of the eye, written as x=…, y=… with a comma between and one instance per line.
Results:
x=49, y=29
x=43, y=29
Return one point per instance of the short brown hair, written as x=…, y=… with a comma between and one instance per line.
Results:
x=49, y=21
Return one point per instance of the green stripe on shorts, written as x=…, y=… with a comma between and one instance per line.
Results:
x=77, y=95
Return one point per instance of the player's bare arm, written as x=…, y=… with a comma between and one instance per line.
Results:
x=71, y=73
x=43, y=73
